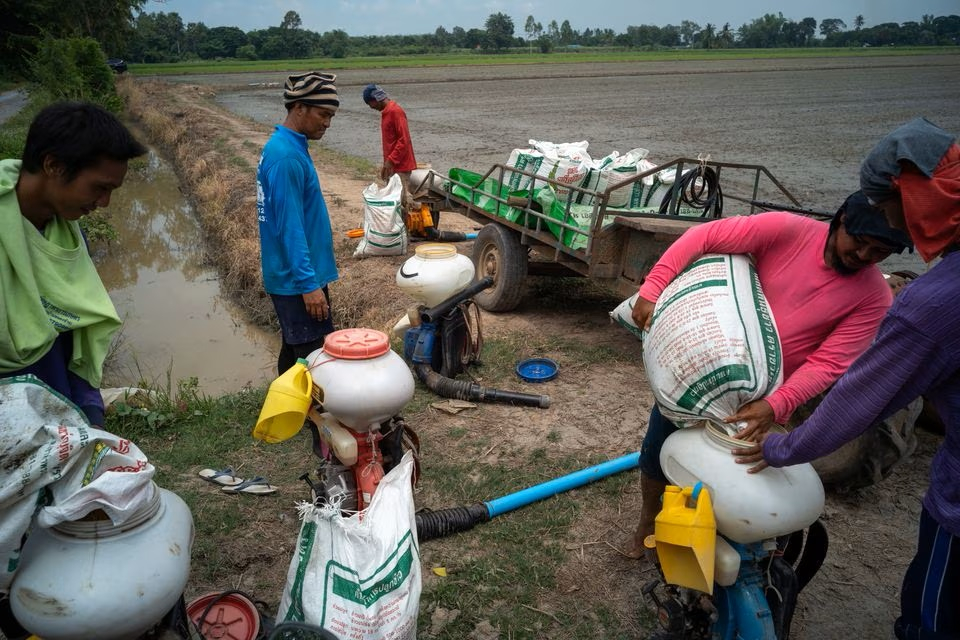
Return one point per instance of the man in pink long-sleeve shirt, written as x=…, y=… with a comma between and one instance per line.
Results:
x=827, y=297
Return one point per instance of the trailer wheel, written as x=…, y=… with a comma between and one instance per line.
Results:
x=497, y=252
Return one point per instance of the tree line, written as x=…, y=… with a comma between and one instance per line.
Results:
x=163, y=37
x=124, y=29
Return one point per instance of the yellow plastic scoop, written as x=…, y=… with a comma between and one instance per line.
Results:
x=686, y=538
x=286, y=405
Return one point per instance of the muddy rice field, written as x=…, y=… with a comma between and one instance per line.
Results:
x=810, y=122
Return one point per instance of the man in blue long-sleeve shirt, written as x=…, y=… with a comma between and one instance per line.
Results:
x=296, y=239
x=913, y=175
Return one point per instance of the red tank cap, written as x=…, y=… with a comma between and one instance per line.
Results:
x=356, y=344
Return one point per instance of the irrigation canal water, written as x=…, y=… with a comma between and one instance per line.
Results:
x=177, y=322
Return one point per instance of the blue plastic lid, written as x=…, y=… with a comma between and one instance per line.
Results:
x=537, y=369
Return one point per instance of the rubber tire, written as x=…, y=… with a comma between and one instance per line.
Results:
x=497, y=252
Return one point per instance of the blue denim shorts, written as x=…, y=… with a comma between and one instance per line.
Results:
x=658, y=428
x=296, y=325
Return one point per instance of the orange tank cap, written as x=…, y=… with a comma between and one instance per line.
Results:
x=356, y=344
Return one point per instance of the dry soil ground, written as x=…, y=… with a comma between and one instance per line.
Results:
x=809, y=121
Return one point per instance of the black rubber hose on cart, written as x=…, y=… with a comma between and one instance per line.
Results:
x=700, y=189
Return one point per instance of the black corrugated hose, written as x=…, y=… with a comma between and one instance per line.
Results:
x=432, y=233
x=437, y=524
x=699, y=188
x=465, y=390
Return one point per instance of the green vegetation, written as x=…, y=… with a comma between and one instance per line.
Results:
x=28, y=24
x=499, y=570
x=123, y=29
x=472, y=58
x=13, y=133
x=162, y=37
x=68, y=69
x=73, y=69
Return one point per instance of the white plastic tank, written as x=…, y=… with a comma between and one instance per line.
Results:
x=748, y=507
x=434, y=273
x=92, y=579
x=358, y=379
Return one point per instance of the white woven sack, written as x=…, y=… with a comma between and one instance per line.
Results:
x=570, y=150
x=627, y=167
x=713, y=344
x=616, y=169
x=47, y=447
x=384, y=233
x=623, y=315
x=528, y=160
x=359, y=576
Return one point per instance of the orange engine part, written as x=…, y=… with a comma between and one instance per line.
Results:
x=368, y=471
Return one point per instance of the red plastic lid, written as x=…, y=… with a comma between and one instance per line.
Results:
x=356, y=344
x=232, y=617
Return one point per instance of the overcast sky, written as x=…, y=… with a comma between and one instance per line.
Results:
x=394, y=17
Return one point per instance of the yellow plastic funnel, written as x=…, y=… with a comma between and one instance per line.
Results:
x=286, y=405
x=686, y=538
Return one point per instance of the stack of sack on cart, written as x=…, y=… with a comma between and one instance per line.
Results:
x=568, y=184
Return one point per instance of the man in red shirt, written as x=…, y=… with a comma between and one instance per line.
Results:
x=394, y=134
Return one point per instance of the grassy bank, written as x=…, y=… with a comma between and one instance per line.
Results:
x=570, y=57
x=215, y=157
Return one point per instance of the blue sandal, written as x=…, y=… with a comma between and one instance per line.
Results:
x=223, y=477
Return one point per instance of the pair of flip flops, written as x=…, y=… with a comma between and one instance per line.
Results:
x=229, y=483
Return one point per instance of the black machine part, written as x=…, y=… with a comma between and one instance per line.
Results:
x=336, y=481
x=450, y=318
x=434, y=314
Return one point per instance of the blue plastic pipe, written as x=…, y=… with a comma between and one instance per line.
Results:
x=573, y=480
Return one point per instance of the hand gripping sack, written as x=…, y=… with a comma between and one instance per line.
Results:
x=383, y=231
x=359, y=576
x=713, y=344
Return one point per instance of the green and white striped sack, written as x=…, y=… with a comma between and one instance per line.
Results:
x=384, y=233
x=713, y=344
x=359, y=576
x=527, y=160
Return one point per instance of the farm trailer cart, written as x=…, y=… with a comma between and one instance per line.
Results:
x=570, y=230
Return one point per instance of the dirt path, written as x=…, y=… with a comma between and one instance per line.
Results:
x=811, y=124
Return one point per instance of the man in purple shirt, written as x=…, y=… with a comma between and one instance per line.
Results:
x=913, y=175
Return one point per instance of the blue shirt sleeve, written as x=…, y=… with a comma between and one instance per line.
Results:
x=287, y=180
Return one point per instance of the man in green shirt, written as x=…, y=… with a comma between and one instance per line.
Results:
x=56, y=319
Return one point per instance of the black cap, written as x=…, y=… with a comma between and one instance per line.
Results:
x=860, y=218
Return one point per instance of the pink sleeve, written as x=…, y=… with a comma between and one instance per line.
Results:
x=739, y=234
x=852, y=335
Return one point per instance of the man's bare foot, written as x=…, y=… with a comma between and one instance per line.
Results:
x=635, y=547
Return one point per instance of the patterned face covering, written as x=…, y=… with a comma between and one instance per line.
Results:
x=919, y=165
